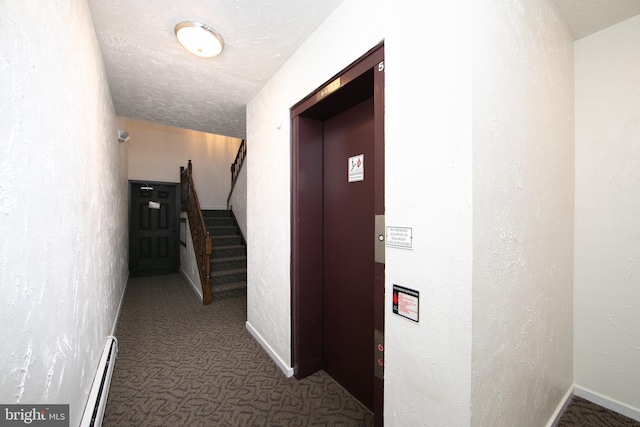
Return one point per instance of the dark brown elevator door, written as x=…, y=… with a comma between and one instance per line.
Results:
x=348, y=252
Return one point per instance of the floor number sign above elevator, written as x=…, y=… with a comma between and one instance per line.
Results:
x=356, y=168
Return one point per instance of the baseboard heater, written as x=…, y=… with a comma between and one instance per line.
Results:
x=97, y=402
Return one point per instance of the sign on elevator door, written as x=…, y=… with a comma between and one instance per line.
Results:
x=356, y=168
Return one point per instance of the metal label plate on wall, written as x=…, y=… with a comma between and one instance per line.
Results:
x=328, y=89
x=379, y=242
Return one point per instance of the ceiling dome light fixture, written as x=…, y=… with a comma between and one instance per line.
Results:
x=199, y=39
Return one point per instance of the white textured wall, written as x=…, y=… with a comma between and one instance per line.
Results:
x=269, y=165
x=523, y=191
x=238, y=199
x=607, y=224
x=156, y=153
x=428, y=188
x=63, y=204
x=188, y=261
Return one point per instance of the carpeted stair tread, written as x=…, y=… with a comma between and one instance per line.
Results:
x=228, y=263
x=228, y=272
x=228, y=257
x=222, y=241
x=224, y=248
x=228, y=238
x=231, y=258
x=219, y=222
x=224, y=230
x=228, y=251
x=217, y=218
x=228, y=276
x=216, y=213
x=228, y=287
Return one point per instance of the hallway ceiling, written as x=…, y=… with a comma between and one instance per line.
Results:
x=152, y=78
x=585, y=17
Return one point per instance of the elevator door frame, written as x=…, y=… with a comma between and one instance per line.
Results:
x=340, y=93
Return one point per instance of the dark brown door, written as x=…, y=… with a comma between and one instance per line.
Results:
x=337, y=276
x=153, y=240
x=348, y=251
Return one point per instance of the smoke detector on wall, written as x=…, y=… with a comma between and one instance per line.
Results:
x=123, y=136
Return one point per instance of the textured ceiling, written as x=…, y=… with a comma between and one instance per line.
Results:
x=152, y=78
x=585, y=17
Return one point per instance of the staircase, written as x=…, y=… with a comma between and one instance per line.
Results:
x=228, y=255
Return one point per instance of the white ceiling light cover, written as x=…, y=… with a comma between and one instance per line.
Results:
x=199, y=39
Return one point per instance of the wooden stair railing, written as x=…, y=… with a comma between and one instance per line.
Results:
x=199, y=234
x=236, y=166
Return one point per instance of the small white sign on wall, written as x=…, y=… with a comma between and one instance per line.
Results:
x=400, y=237
x=356, y=168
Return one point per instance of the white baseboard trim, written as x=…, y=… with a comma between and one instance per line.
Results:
x=117, y=318
x=607, y=402
x=288, y=371
x=566, y=400
x=195, y=288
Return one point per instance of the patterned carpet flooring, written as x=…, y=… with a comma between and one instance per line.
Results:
x=184, y=364
x=582, y=413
